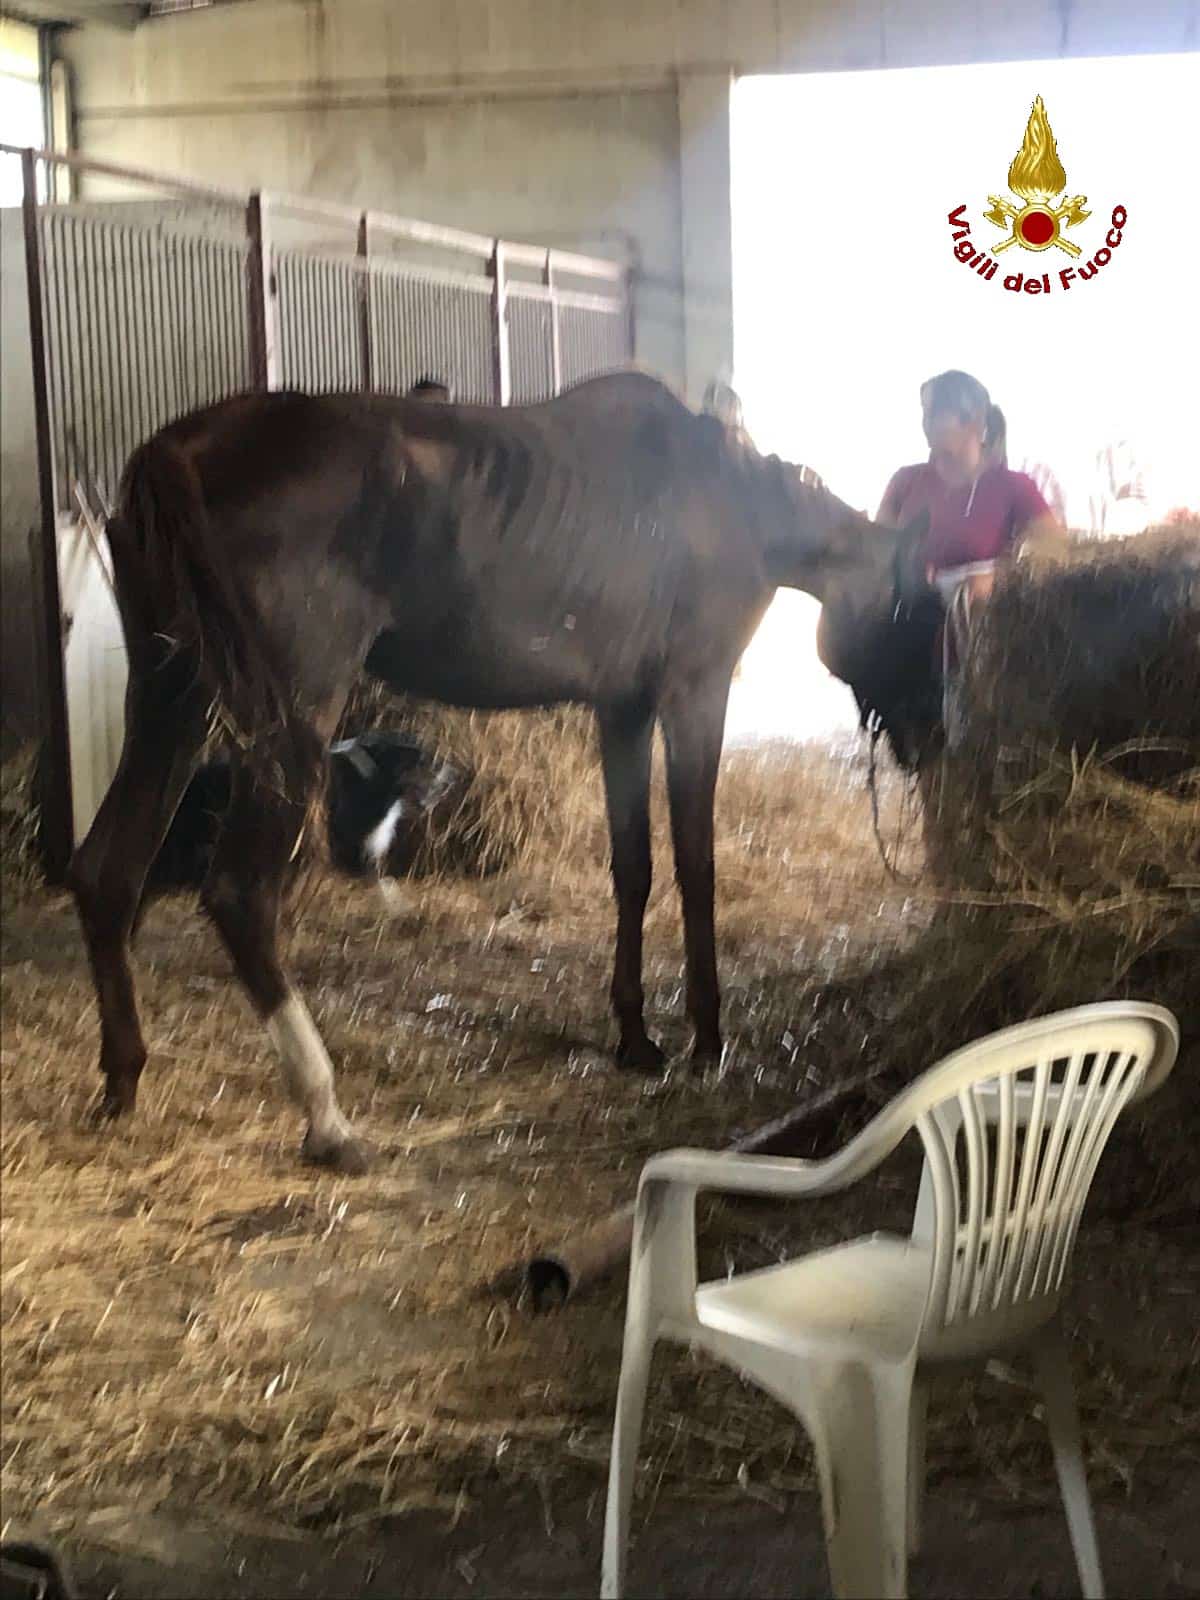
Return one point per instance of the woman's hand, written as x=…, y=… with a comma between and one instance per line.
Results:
x=979, y=587
x=1045, y=542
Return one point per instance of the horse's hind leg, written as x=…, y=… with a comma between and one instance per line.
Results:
x=108, y=871
x=243, y=896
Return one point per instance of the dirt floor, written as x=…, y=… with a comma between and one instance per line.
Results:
x=225, y=1374
x=516, y=1544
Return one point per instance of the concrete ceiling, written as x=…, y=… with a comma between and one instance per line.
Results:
x=112, y=13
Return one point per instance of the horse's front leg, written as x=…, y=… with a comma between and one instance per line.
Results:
x=694, y=728
x=626, y=735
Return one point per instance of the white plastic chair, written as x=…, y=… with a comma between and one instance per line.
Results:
x=1013, y=1127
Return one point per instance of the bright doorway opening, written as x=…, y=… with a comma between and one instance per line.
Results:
x=22, y=118
x=847, y=296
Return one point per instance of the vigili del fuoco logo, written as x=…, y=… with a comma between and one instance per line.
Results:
x=1039, y=182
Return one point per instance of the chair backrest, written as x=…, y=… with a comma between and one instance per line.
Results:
x=1013, y=1128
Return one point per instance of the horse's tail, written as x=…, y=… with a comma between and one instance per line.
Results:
x=188, y=615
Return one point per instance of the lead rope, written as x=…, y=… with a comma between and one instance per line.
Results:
x=874, y=728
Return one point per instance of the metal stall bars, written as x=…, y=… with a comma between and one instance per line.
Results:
x=567, y=319
x=138, y=312
x=369, y=300
x=150, y=304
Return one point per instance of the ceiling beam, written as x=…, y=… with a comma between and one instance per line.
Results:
x=109, y=13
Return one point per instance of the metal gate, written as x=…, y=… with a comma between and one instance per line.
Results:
x=155, y=296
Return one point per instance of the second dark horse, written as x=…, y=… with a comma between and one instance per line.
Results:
x=609, y=547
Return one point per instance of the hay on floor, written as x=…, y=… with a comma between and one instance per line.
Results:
x=187, y=1313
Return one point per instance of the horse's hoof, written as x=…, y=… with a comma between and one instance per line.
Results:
x=111, y=1108
x=640, y=1055
x=349, y=1156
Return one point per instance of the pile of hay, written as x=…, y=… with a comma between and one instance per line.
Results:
x=1072, y=806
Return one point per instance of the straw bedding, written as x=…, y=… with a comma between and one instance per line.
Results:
x=187, y=1312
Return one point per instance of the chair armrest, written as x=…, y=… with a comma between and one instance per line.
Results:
x=787, y=1177
x=662, y=1257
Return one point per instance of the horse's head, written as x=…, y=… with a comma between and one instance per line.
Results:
x=818, y=543
x=877, y=633
x=867, y=569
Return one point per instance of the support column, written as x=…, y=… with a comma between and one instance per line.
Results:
x=56, y=820
x=707, y=228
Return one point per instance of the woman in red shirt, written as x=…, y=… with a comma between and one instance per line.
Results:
x=980, y=516
x=980, y=513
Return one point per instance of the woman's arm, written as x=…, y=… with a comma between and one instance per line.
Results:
x=1038, y=536
x=1044, y=541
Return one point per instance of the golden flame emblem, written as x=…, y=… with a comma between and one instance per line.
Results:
x=1037, y=176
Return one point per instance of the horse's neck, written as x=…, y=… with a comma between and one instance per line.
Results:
x=805, y=529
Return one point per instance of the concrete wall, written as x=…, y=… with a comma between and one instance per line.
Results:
x=592, y=168
x=561, y=120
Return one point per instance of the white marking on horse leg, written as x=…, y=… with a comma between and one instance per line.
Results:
x=308, y=1073
x=379, y=841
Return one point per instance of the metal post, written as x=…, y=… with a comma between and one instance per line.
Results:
x=364, y=305
x=260, y=298
x=57, y=826
x=501, y=355
x=555, y=332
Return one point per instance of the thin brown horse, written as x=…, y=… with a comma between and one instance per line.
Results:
x=608, y=547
